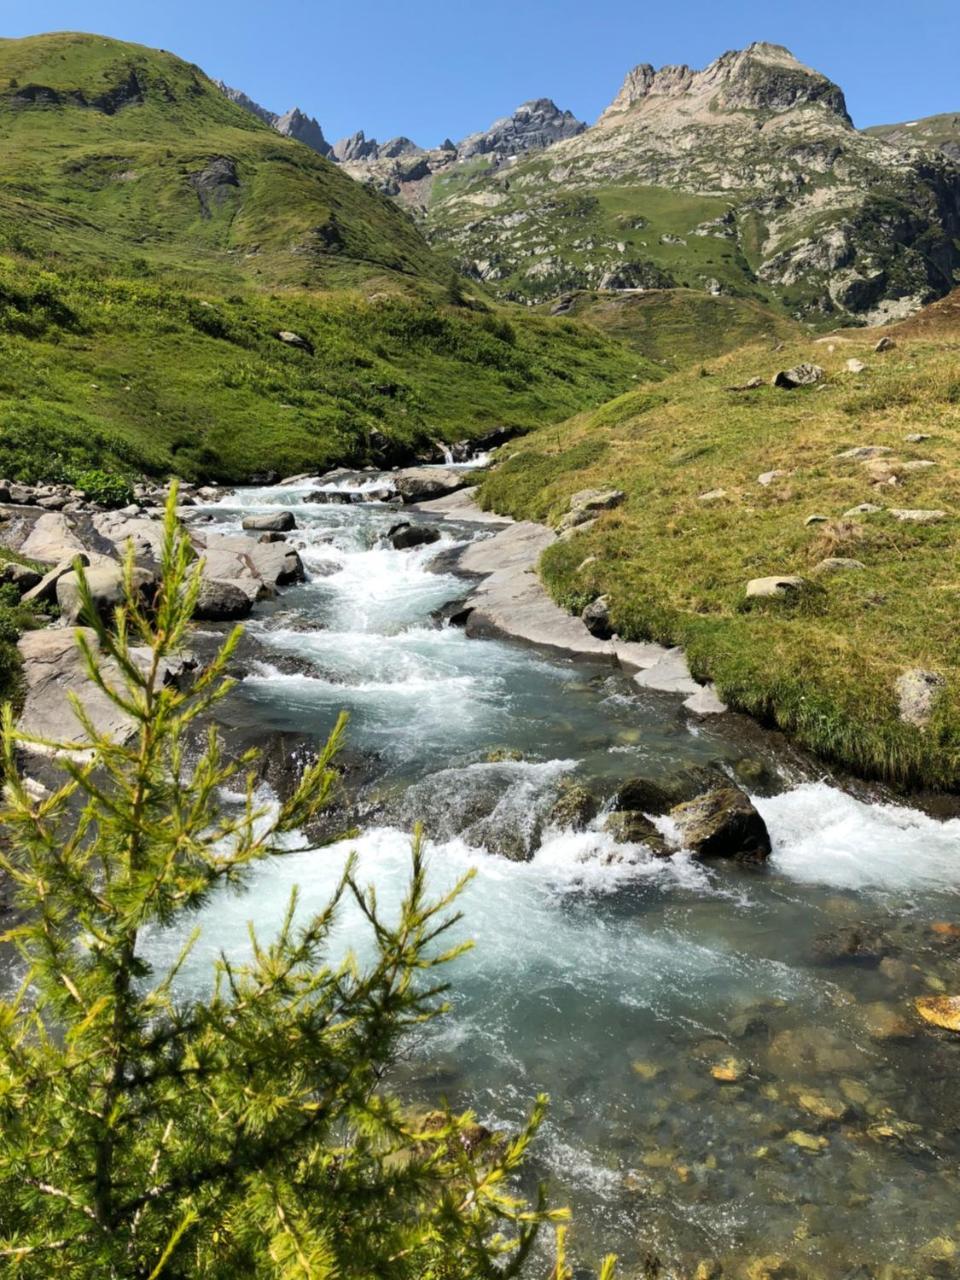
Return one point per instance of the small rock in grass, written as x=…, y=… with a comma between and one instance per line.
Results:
x=712, y=495
x=885, y=344
x=801, y=375
x=752, y=384
x=768, y=477
x=816, y=519
x=855, y=366
x=916, y=437
x=918, y=464
x=291, y=339
x=863, y=452
x=775, y=587
x=585, y=564
x=918, y=692
x=917, y=515
x=837, y=564
x=862, y=509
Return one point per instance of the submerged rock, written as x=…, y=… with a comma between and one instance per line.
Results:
x=940, y=1011
x=723, y=823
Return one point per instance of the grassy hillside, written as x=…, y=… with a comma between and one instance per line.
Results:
x=116, y=157
x=155, y=238
x=675, y=565
x=678, y=327
x=941, y=133
x=147, y=378
x=532, y=240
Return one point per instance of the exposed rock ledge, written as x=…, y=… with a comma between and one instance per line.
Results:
x=512, y=601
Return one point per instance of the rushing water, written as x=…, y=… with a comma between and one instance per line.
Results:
x=612, y=980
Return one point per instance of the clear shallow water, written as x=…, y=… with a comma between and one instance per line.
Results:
x=612, y=980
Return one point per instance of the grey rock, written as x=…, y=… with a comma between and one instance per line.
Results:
x=419, y=484
x=631, y=827
x=837, y=564
x=778, y=586
x=855, y=366
x=862, y=509
x=816, y=518
x=918, y=692
x=865, y=452
x=768, y=477
x=886, y=343
x=801, y=375
x=21, y=575
x=106, y=590
x=722, y=823
x=221, y=601
x=917, y=515
x=405, y=536
x=291, y=339
x=46, y=588
x=272, y=536
x=51, y=540
x=53, y=669
x=272, y=521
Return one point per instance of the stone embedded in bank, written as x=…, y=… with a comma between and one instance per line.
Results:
x=918, y=692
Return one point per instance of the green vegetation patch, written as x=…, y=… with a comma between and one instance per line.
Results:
x=675, y=563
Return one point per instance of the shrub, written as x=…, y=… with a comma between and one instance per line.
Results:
x=106, y=487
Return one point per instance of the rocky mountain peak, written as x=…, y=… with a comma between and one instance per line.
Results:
x=535, y=124
x=763, y=77
x=295, y=124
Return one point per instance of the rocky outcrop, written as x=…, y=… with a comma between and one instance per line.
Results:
x=106, y=587
x=292, y=124
x=532, y=127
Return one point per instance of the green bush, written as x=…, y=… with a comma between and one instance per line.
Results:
x=106, y=487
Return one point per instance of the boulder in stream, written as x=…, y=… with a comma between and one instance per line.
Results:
x=106, y=591
x=405, y=536
x=723, y=823
x=270, y=521
x=419, y=484
x=221, y=601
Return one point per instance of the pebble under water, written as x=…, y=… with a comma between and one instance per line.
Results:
x=734, y=1063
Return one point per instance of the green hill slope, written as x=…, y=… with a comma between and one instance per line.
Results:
x=155, y=239
x=725, y=486
x=113, y=155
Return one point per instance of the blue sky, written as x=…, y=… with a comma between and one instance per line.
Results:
x=427, y=68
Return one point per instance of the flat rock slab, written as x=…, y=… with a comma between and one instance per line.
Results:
x=512, y=601
x=254, y=567
x=51, y=540
x=461, y=506
x=119, y=530
x=54, y=668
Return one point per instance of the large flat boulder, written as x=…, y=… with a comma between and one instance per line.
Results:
x=107, y=591
x=275, y=521
x=52, y=539
x=54, y=668
x=418, y=484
